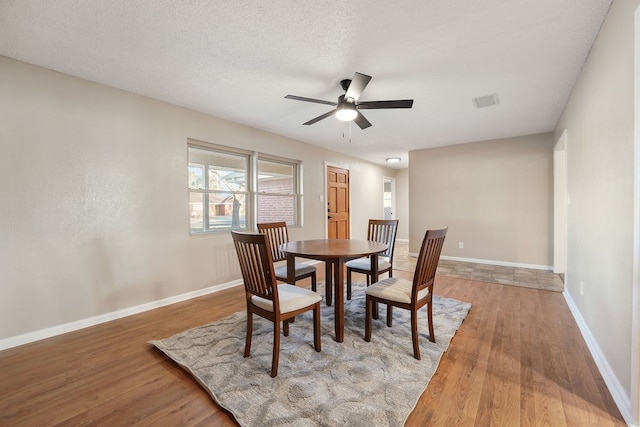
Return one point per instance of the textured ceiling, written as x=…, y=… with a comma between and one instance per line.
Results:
x=238, y=59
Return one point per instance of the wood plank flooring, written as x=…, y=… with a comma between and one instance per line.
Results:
x=517, y=360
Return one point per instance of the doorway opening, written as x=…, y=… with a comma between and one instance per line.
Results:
x=389, y=197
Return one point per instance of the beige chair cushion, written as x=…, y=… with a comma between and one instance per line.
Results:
x=301, y=269
x=365, y=263
x=394, y=289
x=291, y=298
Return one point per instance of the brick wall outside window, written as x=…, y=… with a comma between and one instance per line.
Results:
x=276, y=208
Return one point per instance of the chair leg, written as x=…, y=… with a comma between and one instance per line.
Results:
x=313, y=282
x=375, y=310
x=389, y=315
x=247, y=341
x=367, y=320
x=348, y=283
x=276, y=349
x=316, y=327
x=375, y=304
x=432, y=336
x=414, y=334
x=285, y=327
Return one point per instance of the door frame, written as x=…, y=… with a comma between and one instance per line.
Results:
x=393, y=196
x=324, y=192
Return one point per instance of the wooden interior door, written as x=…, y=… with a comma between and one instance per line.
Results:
x=337, y=203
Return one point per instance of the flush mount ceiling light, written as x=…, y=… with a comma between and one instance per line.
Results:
x=346, y=112
x=393, y=159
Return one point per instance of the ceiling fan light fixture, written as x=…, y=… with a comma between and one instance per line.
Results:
x=346, y=112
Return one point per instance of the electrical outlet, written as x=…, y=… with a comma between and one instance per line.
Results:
x=581, y=288
x=460, y=245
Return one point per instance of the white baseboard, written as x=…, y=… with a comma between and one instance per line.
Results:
x=615, y=388
x=95, y=320
x=492, y=262
x=102, y=318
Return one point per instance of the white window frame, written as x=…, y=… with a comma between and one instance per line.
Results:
x=206, y=192
x=296, y=196
x=250, y=193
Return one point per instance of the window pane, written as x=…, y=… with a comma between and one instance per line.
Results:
x=196, y=176
x=227, y=211
x=276, y=208
x=227, y=180
x=227, y=172
x=196, y=211
x=224, y=171
x=218, y=189
x=275, y=177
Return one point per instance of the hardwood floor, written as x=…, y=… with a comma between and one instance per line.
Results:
x=517, y=360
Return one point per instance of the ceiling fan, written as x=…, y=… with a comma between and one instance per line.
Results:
x=347, y=106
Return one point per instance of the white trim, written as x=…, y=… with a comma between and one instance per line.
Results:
x=635, y=316
x=102, y=318
x=615, y=388
x=493, y=262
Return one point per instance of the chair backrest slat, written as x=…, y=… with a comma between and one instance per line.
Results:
x=256, y=264
x=384, y=231
x=428, y=259
x=278, y=234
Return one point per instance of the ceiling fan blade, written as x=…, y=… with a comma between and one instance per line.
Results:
x=317, y=101
x=374, y=105
x=362, y=121
x=317, y=119
x=357, y=85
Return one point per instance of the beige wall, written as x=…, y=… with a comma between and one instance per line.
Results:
x=599, y=119
x=402, y=203
x=94, y=200
x=495, y=197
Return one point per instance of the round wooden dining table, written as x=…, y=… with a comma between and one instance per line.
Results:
x=334, y=253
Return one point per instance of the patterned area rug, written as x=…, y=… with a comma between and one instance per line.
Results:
x=353, y=383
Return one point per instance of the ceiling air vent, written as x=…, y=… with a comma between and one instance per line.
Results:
x=485, y=101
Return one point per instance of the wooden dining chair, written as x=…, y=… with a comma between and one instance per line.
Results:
x=279, y=234
x=409, y=295
x=268, y=299
x=383, y=231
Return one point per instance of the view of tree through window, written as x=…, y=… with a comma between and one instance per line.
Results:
x=217, y=190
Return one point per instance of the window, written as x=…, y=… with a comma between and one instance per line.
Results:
x=218, y=193
x=223, y=196
x=277, y=191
